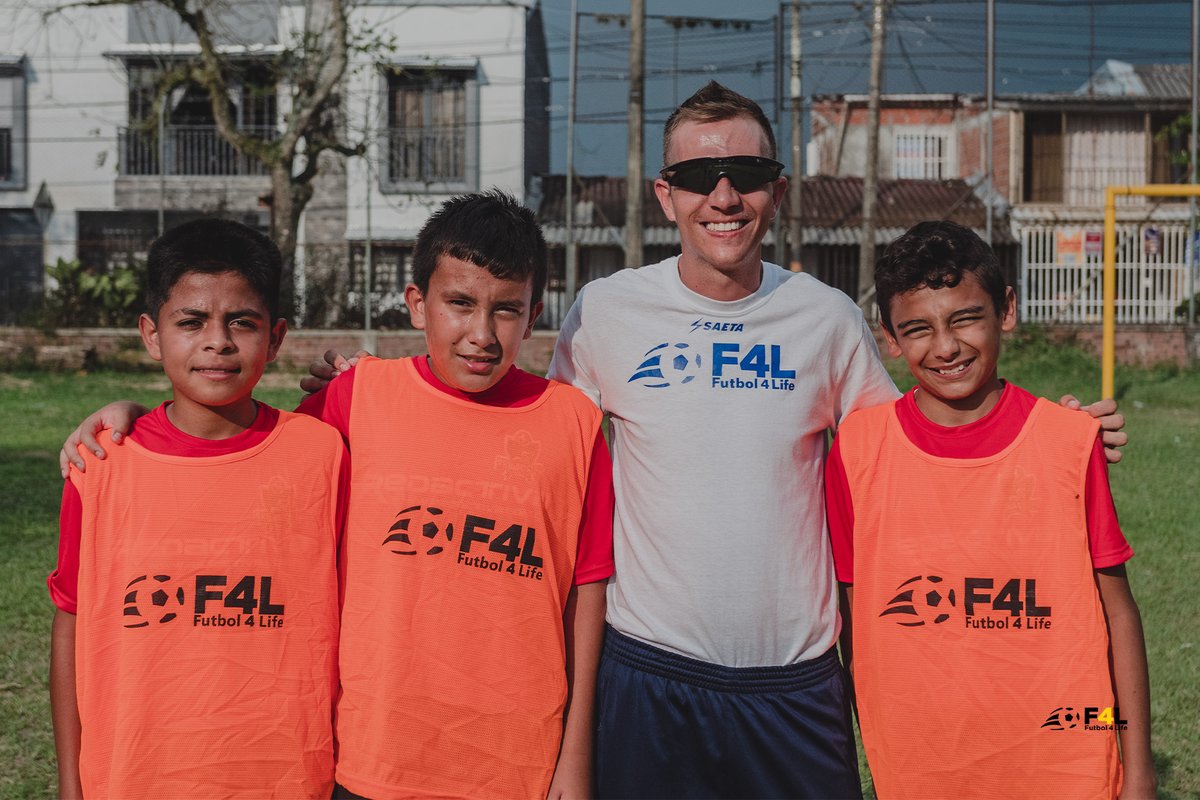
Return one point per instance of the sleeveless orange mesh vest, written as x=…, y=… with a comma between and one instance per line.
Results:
x=979, y=637
x=206, y=639
x=460, y=553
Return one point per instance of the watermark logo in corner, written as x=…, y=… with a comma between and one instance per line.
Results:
x=1085, y=718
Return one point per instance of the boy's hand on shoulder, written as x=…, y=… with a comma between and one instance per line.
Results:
x=119, y=416
x=321, y=372
x=1111, y=423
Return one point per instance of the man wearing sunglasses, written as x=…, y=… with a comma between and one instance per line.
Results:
x=721, y=373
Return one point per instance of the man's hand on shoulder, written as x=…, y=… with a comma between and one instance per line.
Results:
x=119, y=416
x=1112, y=424
x=321, y=372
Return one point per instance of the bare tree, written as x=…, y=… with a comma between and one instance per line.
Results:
x=310, y=70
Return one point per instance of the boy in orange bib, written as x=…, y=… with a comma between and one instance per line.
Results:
x=194, y=647
x=981, y=560
x=479, y=539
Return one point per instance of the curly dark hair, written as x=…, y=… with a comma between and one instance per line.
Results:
x=935, y=254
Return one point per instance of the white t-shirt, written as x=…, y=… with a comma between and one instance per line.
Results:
x=718, y=413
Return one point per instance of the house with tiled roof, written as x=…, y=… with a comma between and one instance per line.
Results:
x=1053, y=155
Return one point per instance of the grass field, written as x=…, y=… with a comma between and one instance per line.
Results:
x=1157, y=487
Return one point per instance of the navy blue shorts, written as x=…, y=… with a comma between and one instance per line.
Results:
x=669, y=726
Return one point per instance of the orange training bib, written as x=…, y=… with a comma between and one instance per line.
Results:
x=207, y=629
x=460, y=554
x=980, y=645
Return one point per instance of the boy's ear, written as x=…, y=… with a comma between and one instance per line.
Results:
x=278, y=331
x=892, y=345
x=416, y=306
x=148, y=328
x=533, y=318
x=1008, y=317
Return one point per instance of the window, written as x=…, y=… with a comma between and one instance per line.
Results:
x=12, y=123
x=1043, y=158
x=192, y=145
x=920, y=155
x=429, y=141
x=391, y=271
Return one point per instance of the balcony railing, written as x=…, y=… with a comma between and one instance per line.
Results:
x=427, y=155
x=190, y=150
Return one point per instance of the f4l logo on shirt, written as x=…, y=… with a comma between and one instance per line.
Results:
x=1088, y=718
x=156, y=599
x=759, y=366
x=933, y=600
x=515, y=544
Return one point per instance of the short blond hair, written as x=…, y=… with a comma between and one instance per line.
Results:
x=716, y=103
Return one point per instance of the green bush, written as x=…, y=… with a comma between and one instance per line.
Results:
x=85, y=298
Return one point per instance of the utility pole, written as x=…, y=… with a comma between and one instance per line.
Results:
x=988, y=133
x=368, y=338
x=866, y=247
x=572, y=267
x=637, y=111
x=1191, y=248
x=796, y=231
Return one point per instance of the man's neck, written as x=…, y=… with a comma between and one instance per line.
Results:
x=722, y=285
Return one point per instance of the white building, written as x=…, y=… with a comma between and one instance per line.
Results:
x=450, y=96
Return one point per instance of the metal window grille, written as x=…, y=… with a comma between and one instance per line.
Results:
x=920, y=156
x=190, y=150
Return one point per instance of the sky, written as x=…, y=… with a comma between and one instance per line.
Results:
x=1050, y=46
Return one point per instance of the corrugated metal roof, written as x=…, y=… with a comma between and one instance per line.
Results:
x=1124, y=80
x=831, y=209
x=1167, y=81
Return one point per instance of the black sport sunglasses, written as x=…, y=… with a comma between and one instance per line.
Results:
x=701, y=175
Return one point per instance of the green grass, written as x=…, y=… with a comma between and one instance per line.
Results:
x=1156, y=487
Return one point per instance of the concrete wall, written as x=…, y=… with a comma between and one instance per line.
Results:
x=86, y=348
x=95, y=347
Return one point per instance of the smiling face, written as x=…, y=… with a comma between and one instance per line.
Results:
x=214, y=337
x=721, y=232
x=950, y=338
x=474, y=322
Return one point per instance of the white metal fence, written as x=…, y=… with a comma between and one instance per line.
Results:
x=1062, y=265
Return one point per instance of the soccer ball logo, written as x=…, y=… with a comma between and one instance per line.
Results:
x=920, y=601
x=151, y=599
x=409, y=522
x=667, y=364
x=1061, y=719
